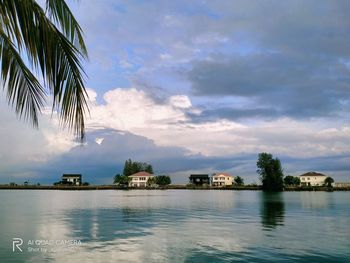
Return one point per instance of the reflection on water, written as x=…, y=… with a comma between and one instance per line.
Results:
x=109, y=224
x=272, y=210
x=178, y=226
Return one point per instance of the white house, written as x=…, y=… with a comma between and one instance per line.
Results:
x=140, y=179
x=312, y=179
x=221, y=179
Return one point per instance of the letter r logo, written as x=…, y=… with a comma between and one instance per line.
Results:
x=16, y=243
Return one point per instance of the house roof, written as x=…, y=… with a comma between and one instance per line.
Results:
x=310, y=174
x=224, y=174
x=199, y=176
x=71, y=175
x=143, y=174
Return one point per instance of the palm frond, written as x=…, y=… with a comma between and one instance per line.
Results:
x=61, y=14
x=24, y=91
x=52, y=50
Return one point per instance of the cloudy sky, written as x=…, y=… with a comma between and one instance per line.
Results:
x=200, y=86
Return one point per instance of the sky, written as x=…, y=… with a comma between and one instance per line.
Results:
x=199, y=87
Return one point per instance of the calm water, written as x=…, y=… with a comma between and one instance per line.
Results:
x=175, y=226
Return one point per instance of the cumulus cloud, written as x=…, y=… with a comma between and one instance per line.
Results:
x=168, y=123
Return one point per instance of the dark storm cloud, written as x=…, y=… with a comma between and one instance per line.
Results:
x=232, y=114
x=288, y=86
x=297, y=64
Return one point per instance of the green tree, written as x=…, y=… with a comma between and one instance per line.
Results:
x=289, y=180
x=52, y=43
x=149, y=168
x=163, y=180
x=131, y=167
x=239, y=181
x=296, y=180
x=271, y=172
x=121, y=179
x=151, y=181
x=127, y=168
x=328, y=181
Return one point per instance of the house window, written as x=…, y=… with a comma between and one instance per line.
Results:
x=308, y=178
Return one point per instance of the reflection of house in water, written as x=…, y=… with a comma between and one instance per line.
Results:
x=315, y=200
x=111, y=224
x=272, y=210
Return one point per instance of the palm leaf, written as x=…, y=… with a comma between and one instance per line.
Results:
x=61, y=14
x=55, y=48
x=23, y=88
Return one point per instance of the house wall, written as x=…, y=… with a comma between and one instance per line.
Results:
x=200, y=181
x=139, y=181
x=221, y=180
x=73, y=180
x=312, y=180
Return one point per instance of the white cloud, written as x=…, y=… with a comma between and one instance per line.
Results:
x=22, y=144
x=167, y=124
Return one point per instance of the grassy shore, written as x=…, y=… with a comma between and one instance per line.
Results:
x=185, y=187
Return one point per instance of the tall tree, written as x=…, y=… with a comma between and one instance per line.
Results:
x=270, y=171
x=149, y=169
x=52, y=42
x=131, y=167
x=239, y=181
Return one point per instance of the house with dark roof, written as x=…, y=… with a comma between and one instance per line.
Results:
x=199, y=179
x=312, y=179
x=140, y=179
x=71, y=179
x=221, y=179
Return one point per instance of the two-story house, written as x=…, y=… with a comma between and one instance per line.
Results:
x=312, y=179
x=140, y=179
x=221, y=179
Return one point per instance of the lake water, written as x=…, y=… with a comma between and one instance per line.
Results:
x=174, y=226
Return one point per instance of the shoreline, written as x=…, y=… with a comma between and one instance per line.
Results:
x=169, y=187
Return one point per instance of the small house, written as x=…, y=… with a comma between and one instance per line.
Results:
x=221, y=179
x=71, y=179
x=312, y=179
x=199, y=179
x=140, y=179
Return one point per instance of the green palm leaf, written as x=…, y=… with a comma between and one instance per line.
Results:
x=23, y=88
x=55, y=47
